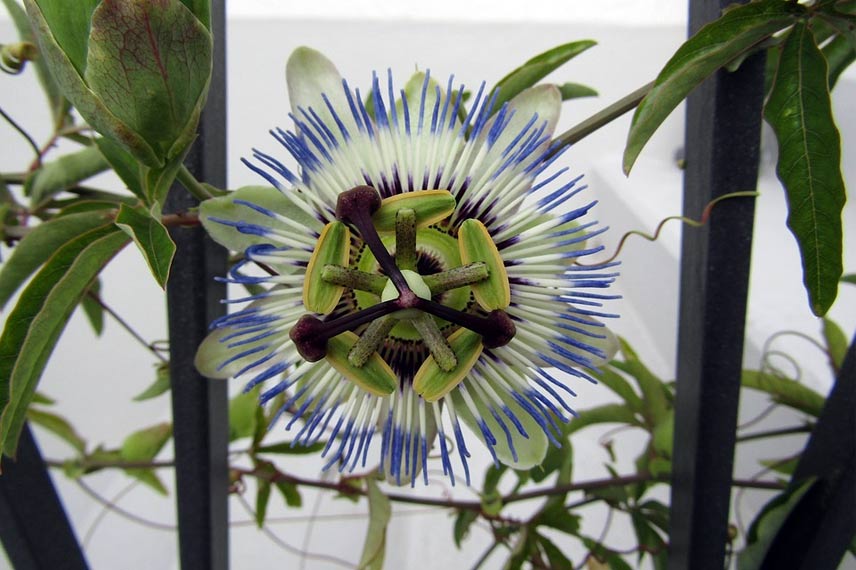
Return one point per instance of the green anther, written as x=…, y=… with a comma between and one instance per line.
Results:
x=436, y=342
x=475, y=244
x=432, y=382
x=333, y=248
x=354, y=279
x=429, y=206
x=374, y=376
x=457, y=277
x=370, y=340
x=405, y=239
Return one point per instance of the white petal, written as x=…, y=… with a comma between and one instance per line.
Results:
x=310, y=77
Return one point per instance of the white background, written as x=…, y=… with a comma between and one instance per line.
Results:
x=94, y=379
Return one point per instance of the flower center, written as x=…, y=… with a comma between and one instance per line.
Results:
x=400, y=296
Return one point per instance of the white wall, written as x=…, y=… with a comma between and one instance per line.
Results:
x=94, y=379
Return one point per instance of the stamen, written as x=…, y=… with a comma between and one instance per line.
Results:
x=354, y=279
x=497, y=329
x=443, y=354
x=405, y=239
x=457, y=277
x=370, y=340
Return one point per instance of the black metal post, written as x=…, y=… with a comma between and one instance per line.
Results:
x=722, y=152
x=34, y=528
x=817, y=532
x=199, y=406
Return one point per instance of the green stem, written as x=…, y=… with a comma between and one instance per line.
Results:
x=775, y=433
x=22, y=132
x=600, y=119
x=192, y=184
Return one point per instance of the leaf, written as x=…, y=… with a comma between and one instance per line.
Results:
x=290, y=493
x=35, y=324
x=558, y=459
x=785, y=466
x=849, y=278
x=713, y=46
x=784, y=391
x=124, y=164
x=664, y=434
x=605, y=414
x=150, y=63
x=652, y=388
x=59, y=24
x=93, y=310
x=39, y=244
x=266, y=472
x=289, y=448
x=621, y=387
x=463, y=521
x=379, y=515
x=536, y=69
x=67, y=171
x=555, y=556
x=575, y=91
x=766, y=525
x=242, y=415
x=809, y=165
x=143, y=446
x=57, y=425
x=839, y=54
x=648, y=538
x=557, y=516
x=836, y=343
x=160, y=385
x=151, y=238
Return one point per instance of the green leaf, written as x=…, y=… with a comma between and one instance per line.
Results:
x=242, y=415
x=559, y=459
x=61, y=29
x=839, y=54
x=289, y=493
x=160, y=386
x=35, y=324
x=621, y=387
x=67, y=171
x=712, y=47
x=652, y=388
x=836, y=343
x=555, y=556
x=143, y=446
x=664, y=434
x=463, y=521
x=576, y=91
x=536, y=69
x=557, y=516
x=605, y=414
x=151, y=238
x=92, y=309
x=287, y=448
x=266, y=471
x=379, y=515
x=785, y=466
x=647, y=536
x=766, y=525
x=849, y=278
x=59, y=426
x=784, y=391
x=809, y=165
x=124, y=164
x=150, y=62
x=201, y=9
x=38, y=245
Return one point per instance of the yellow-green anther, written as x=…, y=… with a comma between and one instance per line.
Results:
x=370, y=340
x=374, y=376
x=354, y=279
x=429, y=206
x=432, y=382
x=333, y=248
x=475, y=244
x=436, y=342
x=405, y=239
x=457, y=277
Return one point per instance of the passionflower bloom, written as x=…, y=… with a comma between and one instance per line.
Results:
x=424, y=272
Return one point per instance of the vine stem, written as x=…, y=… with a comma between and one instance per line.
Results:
x=192, y=185
x=124, y=324
x=600, y=119
x=22, y=132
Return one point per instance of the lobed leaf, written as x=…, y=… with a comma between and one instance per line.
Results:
x=809, y=165
x=380, y=512
x=143, y=446
x=35, y=324
x=151, y=238
x=67, y=171
x=785, y=391
x=711, y=48
x=536, y=69
x=160, y=386
x=59, y=426
x=39, y=244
